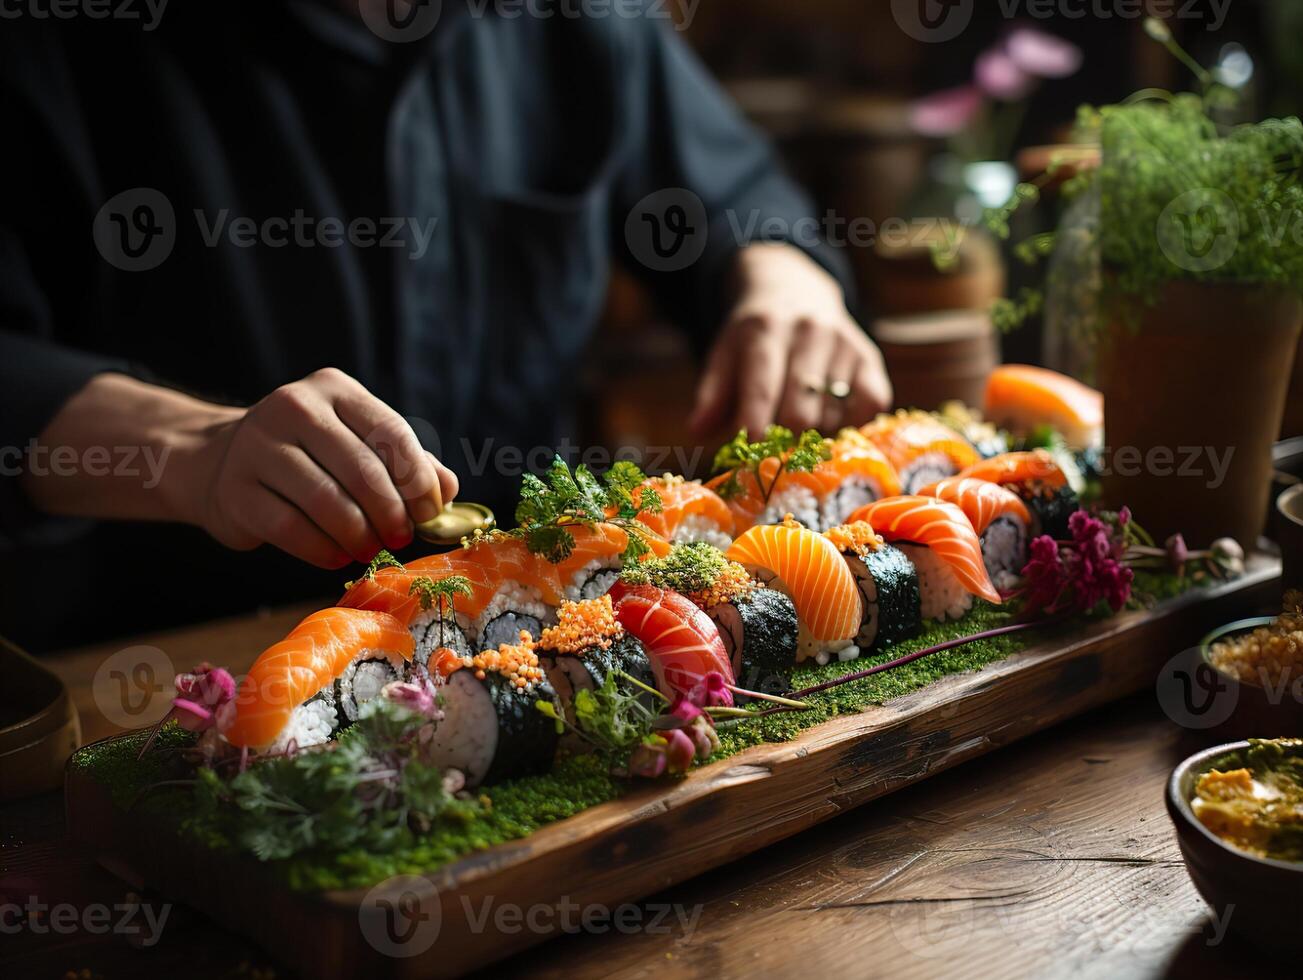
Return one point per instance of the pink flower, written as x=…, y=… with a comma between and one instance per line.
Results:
x=999, y=76
x=1041, y=54
x=683, y=711
x=947, y=112
x=712, y=692
x=1044, y=577
x=1177, y=552
x=648, y=759
x=200, y=695
x=415, y=697
x=680, y=750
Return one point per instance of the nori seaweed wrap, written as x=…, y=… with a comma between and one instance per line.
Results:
x=888, y=584
x=1050, y=508
x=759, y=630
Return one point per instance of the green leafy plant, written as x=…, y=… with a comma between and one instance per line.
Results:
x=686, y=569
x=1180, y=197
x=744, y=460
x=552, y=506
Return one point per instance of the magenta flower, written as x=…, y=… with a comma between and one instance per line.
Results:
x=712, y=692
x=199, y=696
x=648, y=759
x=683, y=710
x=1177, y=552
x=999, y=76
x=1042, y=55
x=680, y=750
x=1044, y=577
x=946, y=113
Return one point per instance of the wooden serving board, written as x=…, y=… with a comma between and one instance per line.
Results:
x=661, y=834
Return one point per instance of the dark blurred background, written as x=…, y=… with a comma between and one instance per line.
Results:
x=838, y=84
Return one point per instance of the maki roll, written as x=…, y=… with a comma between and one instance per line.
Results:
x=491, y=729
x=855, y=476
x=887, y=582
x=289, y=695
x=941, y=543
x=585, y=648
x=689, y=512
x=1000, y=518
x=595, y=561
x=1039, y=481
x=758, y=626
x=363, y=680
x=921, y=448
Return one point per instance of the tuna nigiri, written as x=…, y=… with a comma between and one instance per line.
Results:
x=920, y=447
x=682, y=642
x=272, y=706
x=1038, y=480
x=1021, y=397
x=999, y=517
x=689, y=512
x=943, y=546
x=808, y=567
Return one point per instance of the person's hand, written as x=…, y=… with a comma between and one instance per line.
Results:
x=320, y=468
x=788, y=349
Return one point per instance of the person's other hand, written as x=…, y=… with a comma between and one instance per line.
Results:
x=320, y=468
x=787, y=345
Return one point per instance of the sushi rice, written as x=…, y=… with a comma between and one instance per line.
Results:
x=594, y=579
x=432, y=631
x=695, y=527
x=943, y=595
x=1004, y=550
x=853, y=493
x=798, y=501
x=311, y=723
x=925, y=470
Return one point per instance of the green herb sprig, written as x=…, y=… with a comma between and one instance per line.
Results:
x=551, y=506
x=687, y=568
x=440, y=593
x=795, y=454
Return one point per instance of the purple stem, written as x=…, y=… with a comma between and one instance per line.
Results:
x=906, y=659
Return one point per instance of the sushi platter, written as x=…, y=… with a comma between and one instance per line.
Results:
x=645, y=679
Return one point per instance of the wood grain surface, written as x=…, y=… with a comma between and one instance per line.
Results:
x=654, y=838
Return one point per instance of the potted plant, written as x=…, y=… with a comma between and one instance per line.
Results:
x=1197, y=254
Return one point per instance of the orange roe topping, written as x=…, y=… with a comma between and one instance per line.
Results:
x=731, y=584
x=858, y=536
x=515, y=663
x=581, y=626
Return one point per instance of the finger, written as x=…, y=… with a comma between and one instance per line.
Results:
x=449, y=485
x=870, y=390
x=411, y=473
x=302, y=482
x=763, y=363
x=807, y=375
x=717, y=388
x=841, y=376
x=281, y=524
x=355, y=466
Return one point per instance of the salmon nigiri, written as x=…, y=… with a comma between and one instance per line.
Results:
x=689, y=512
x=920, y=447
x=1000, y=518
x=271, y=708
x=1021, y=397
x=682, y=642
x=809, y=568
x=940, y=541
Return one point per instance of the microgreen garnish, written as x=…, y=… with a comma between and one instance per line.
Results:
x=794, y=455
x=383, y=559
x=550, y=506
x=686, y=569
x=441, y=593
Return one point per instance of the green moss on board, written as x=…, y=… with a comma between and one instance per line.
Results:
x=523, y=806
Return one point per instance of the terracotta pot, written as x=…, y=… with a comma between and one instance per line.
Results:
x=937, y=357
x=1193, y=396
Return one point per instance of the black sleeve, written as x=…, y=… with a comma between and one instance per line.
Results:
x=700, y=177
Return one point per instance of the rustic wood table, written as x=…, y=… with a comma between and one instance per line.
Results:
x=1052, y=857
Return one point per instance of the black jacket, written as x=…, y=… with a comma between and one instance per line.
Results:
x=437, y=218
